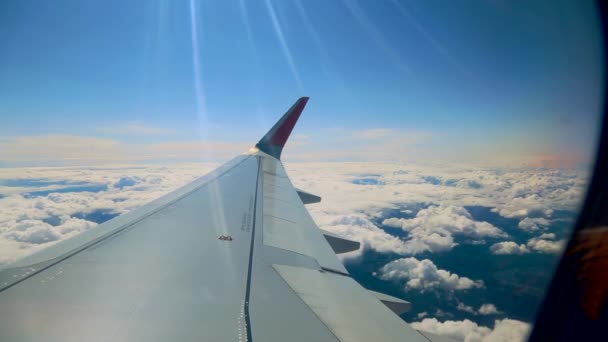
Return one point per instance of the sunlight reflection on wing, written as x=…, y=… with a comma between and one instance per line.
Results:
x=215, y=193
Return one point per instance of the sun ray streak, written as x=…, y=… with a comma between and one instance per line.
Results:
x=281, y=37
x=327, y=65
x=198, y=75
x=429, y=37
x=376, y=35
x=254, y=53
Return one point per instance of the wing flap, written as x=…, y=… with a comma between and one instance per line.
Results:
x=307, y=197
x=398, y=306
x=347, y=309
x=287, y=223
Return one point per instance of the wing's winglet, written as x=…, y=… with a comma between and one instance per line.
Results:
x=274, y=141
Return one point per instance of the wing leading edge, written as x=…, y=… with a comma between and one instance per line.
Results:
x=234, y=255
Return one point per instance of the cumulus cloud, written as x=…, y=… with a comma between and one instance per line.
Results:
x=508, y=330
x=466, y=308
x=546, y=246
x=548, y=236
x=32, y=231
x=541, y=244
x=533, y=224
x=484, y=309
x=360, y=228
x=424, y=275
x=435, y=227
x=504, y=330
x=519, y=207
x=488, y=309
x=508, y=247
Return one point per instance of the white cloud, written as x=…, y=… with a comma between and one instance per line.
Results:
x=374, y=133
x=508, y=247
x=376, y=144
x=81, y=150
x=537, y=244
x=508, y=330
x=134, y=128
x=488, y=309
x=504, y=330
x=543, y=190
x=32, y=231
x=485, y=309
x=346, y=208
x=466, y=308
x=462, y=330
x=424, y=275
x=533, y=224
x=360, y=228
x=531, y=205
x=548, y=236
x=546, y=246
x=59, y=150
x=435, y=226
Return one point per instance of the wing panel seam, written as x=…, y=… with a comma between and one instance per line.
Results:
x=248, y=288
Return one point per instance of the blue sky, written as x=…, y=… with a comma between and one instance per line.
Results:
x=520, y=79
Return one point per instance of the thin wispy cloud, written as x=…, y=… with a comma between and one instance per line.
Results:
x=60, y=150
x=134, y=128
x=374, y=133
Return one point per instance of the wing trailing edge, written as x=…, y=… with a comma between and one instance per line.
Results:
x=273, y=142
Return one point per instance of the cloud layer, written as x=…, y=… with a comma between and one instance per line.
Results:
x=348, y=206
x=355, y=193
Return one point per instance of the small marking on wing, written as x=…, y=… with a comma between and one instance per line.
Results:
x=248, y=217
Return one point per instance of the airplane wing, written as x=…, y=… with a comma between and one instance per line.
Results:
x=233, y=256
